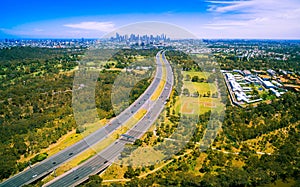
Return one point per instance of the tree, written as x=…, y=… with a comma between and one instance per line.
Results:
x=195, y=78
x=201, y=79
x=208, y=94
x=94, y=181
x=186, y=92
x=130, y=173
x=196, y=94
x=138, y=142
x=211, y=78
x=20, y=146
x=187, y=77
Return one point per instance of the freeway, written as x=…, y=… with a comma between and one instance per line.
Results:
x=105, y=158
x=45, y=167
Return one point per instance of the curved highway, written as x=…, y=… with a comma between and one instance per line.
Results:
x=105, y=158
x=45, y=167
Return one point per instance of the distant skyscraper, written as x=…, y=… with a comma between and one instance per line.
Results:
x=140, y=38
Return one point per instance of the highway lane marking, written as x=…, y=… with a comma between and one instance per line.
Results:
x=158, y=101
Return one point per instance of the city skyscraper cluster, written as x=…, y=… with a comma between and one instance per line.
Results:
x=146, y=39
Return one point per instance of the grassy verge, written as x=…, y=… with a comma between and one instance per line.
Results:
x=158, y=91
x=98, y=147
x=68, y=139
x=161, y=85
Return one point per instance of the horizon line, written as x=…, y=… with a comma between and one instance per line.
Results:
x=88, y=38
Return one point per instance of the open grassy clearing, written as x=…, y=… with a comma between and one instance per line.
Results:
x=202, y=88
x=203, y=75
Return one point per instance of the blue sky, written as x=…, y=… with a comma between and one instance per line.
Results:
x=204, y=18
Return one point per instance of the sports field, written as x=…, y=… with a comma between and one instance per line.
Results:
x=197, y=105
x=194, y=106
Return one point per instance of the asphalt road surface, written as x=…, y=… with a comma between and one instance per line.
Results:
x=105, y=158
x=45, y=167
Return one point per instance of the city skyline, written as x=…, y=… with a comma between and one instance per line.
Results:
x=250, y=19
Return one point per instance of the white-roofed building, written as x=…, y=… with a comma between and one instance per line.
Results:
x=247, y=73
x=241, y=97
x=268, y=84
x=276, y=83
x=275, y=92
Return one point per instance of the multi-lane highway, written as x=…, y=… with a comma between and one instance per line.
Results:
x=102, y=160
x=39, y=170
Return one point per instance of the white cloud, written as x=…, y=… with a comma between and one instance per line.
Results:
x=292, y=14
x=226, y=6
x=255, y=18
x=250, y=22
x=92, y=25
x=255, y=7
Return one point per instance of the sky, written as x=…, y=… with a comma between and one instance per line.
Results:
x=240, y=19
